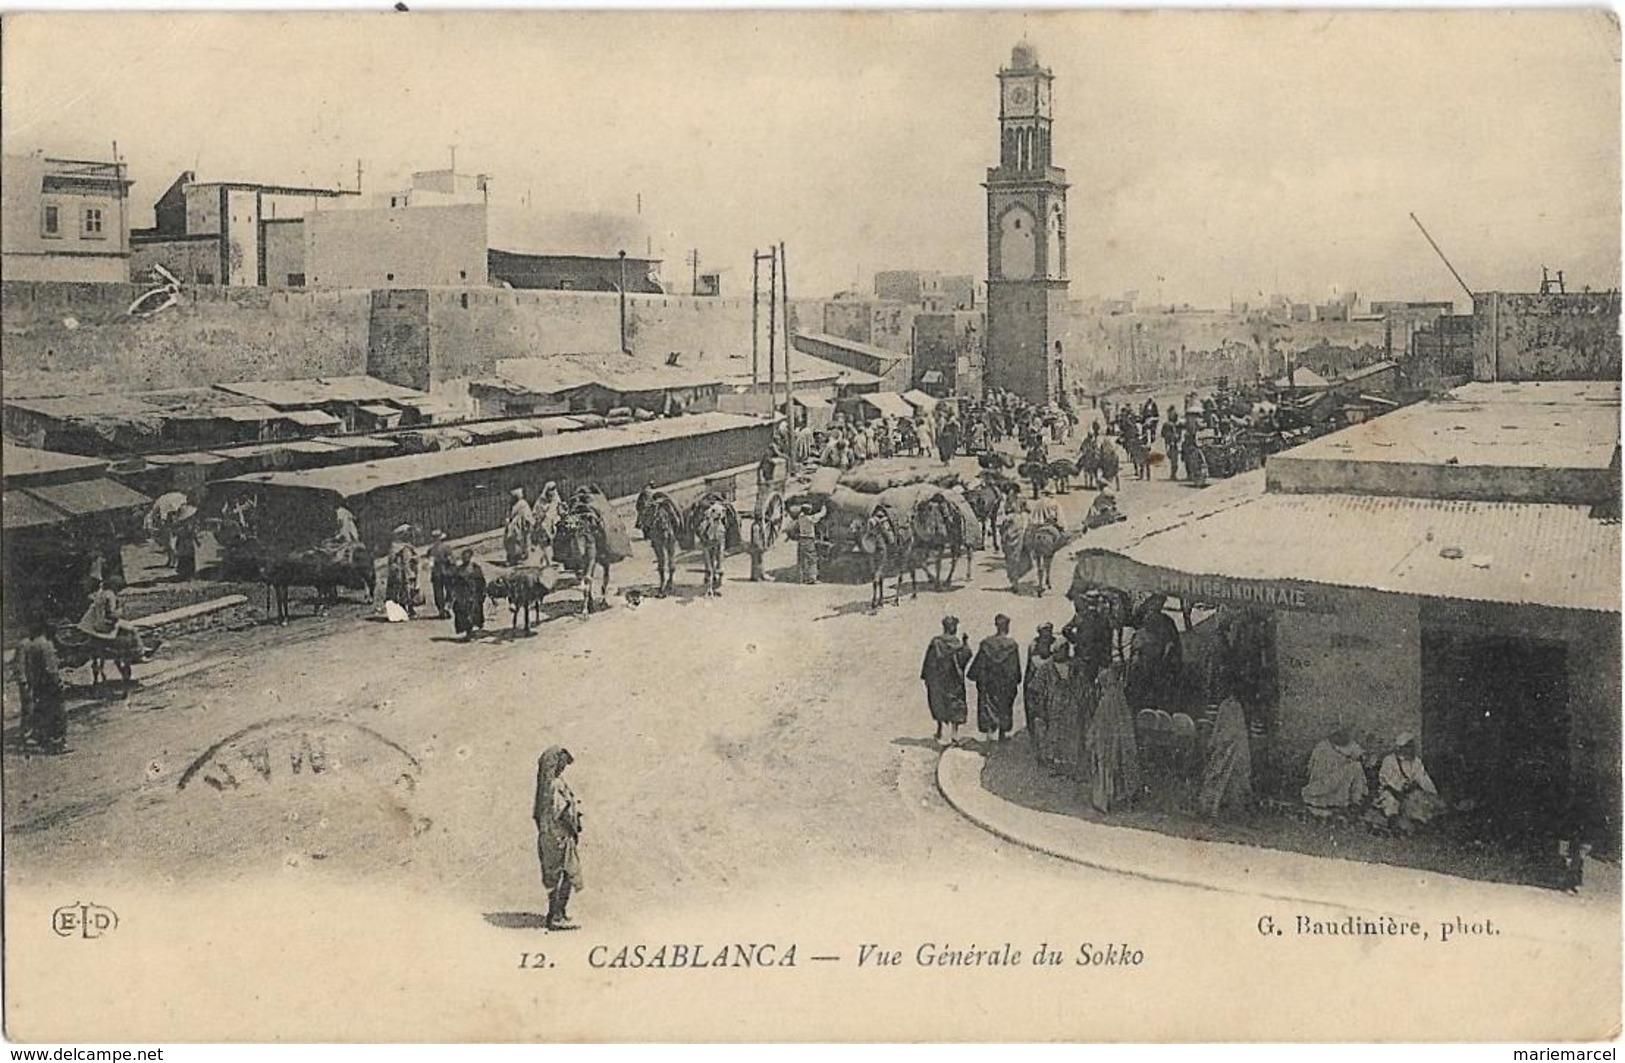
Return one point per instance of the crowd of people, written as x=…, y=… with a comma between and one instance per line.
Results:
x=1081, y=705
x=457, y=581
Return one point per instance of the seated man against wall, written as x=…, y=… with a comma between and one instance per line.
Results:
x=1336, y=775
x=1406, y=795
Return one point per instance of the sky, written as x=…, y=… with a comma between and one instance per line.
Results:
x=1211, y=154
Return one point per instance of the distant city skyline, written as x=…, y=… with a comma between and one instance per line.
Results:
x=1210, y=153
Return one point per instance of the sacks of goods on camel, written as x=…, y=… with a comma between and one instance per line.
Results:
x=881, y=474
x=846, y=506
x=615, y=535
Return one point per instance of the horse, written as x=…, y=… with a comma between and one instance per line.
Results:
x=711, y=529
x=938, y=529
x=580, y=541
x=889, y=548
x=321, y=570
x=662, y=526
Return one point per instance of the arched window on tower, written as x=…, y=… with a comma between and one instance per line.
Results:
x=1017, y=258
x=1008, y=155
x=1055, y=241
x=1026, y=149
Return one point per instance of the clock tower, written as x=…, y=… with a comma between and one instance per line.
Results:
x=1026, y=238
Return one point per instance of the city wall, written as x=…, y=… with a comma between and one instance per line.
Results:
x=60, y=338
x=469, y=331
x=1125, y=348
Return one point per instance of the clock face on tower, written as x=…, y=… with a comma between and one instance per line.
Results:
x=1018, y=98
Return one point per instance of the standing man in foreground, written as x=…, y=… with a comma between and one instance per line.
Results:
x=944, y=675
x=558, y=829
x=996, y=671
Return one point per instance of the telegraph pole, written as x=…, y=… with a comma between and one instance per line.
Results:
x=755, y=313
x=623, y=304
x=772, y=329
x=789, y=388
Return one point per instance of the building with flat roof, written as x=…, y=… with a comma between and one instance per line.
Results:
x=231, y=233
x=443, y=231
x=64, y=219
x=1451, y=570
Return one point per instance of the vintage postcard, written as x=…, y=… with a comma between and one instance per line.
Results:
x=969, y=526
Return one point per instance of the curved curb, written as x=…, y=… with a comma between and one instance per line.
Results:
x=1267, y=874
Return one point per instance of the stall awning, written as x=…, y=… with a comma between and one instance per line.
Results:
x=23, y=510
x=890, y=404
x=311, y=418
x=248, y=413
x=89, y=497
x=920, y=400
x=52, y=504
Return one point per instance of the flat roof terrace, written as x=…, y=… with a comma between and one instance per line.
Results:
x=1547, y=442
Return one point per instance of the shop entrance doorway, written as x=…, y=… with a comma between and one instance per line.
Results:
x=1495, y=728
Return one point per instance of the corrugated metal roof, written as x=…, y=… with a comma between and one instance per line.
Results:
x=361, y=477
x=318, y=390
x=21, y=466
x=1519, y=553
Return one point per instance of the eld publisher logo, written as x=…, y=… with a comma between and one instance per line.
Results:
x=83, y=920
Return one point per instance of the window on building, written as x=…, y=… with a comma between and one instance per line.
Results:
x=204, y=277
x=296, y=280
x=51, y=222
x=389, y=276
x=93, y=222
